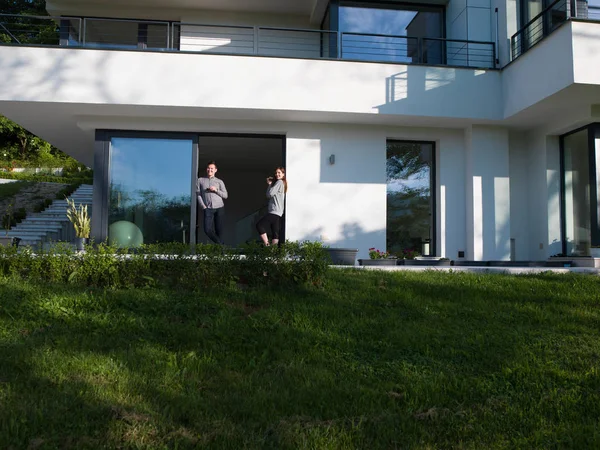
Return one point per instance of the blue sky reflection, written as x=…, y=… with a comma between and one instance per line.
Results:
x=162, y=165
x=402, y=28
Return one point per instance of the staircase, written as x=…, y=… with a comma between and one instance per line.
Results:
x=51, y=224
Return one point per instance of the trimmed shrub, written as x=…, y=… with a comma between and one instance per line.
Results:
x=47, y=178
x=174, y=265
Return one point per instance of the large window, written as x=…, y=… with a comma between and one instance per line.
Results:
x=580, y=163
x=539, y=18
x=410, y=218
x=577, y=193
x=150, y=190
x=404, y=33
x=126, y=34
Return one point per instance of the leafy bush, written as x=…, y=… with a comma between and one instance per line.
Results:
x=176, y=265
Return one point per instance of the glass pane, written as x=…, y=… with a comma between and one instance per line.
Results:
x=577, y=193
x=150, y=190
x=377, y=34
x=125, y=34
x=409, y=203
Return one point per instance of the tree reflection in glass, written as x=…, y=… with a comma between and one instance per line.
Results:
x=150, y=186
x=409, y=205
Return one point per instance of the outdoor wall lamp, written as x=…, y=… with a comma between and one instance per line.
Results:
x=332, y=159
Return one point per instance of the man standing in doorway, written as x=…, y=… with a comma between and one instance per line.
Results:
x=211, y=192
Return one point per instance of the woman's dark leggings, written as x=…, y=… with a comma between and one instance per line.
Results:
x=269, y=222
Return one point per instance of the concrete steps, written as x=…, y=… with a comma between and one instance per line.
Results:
x=52, y=224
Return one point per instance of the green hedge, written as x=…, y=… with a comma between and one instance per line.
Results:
x=45, y=178
x=173, y=265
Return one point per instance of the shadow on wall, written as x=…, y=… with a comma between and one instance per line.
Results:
x=349, y=235
x=352, y=159
x=443, y=92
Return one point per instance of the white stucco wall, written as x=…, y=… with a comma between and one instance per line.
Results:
x=586, y=65
x=488, y=193
x=344, y=204
x=222, y=81
x=543, y=195
x=519, y=195
x=539, y=73
x=553, y=195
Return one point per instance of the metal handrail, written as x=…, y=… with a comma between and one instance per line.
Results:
x=420, y=48
x=333, y=48
x=534, y=20
x=544, y=11
x=348, y=33
x=457, y=40
x=33, y=17
x=10, y=34
x=303, y=30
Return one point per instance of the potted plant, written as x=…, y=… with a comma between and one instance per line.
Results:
x=378, y=258
x=81, y=222
x=342, y=256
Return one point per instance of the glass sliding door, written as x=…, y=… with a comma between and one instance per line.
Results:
x=410, y=205
x=150, y=190
x=577, y=193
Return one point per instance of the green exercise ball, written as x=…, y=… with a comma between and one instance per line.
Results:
x=125, y=234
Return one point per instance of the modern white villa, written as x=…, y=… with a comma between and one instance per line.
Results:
x=465, y=129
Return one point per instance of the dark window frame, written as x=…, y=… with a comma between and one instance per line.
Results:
x=593, y=130
x=100, y=201
x=142, y=29
x=433, y=243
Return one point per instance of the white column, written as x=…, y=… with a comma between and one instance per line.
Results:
x=543, y=196
x=487, y=193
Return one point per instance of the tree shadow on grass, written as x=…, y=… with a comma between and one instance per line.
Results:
x=360, y=362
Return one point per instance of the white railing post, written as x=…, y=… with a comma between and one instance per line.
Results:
x=256, y=38
x=168, y=35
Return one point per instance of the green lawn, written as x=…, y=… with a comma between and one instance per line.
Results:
x=372, y=361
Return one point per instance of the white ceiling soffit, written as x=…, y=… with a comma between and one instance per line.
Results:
x=297, y=7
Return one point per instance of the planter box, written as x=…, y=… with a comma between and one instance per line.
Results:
x=573, y=261
x=470, y=263
x=377, y=262
x=342, y=256
x=427, y=262
x=517, y=263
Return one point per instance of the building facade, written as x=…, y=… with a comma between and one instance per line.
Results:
x=462, y=129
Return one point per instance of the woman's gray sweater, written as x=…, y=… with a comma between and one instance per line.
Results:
x=276, y=196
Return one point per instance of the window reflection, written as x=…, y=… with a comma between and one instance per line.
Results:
x=392, y=34
x=150, y=185
x=409, y=202
x=577, y=194
x=125, y=34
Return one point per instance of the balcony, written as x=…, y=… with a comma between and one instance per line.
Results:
x=548, y=21
x=168, y=36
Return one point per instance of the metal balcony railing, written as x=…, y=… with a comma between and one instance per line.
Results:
x=546, y=22
x=123, y=34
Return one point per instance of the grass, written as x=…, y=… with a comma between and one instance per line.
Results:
x=10, y=189
x=374, y=360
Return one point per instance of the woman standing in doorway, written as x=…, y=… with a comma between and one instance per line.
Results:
x=276, y=190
